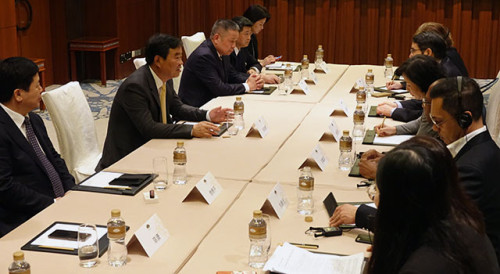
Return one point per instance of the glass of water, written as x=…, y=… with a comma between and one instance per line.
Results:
x=231, y=127
x=88, y=245
x=160, y=168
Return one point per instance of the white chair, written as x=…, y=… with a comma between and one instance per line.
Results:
x=139, y=62
x=75, y=129
x=493, y=111
x=192, y=42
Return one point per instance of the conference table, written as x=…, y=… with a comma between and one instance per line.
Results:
x=205, y=238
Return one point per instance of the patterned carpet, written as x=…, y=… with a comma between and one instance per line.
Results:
x=99, y=98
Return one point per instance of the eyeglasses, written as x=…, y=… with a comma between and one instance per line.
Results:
x=438, y=125
x=412, y=50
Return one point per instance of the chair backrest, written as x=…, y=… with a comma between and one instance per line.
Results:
x=493, y=111
x=139, y=62
x=192, y=42
x=75, y=128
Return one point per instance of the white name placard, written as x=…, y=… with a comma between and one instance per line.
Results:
x=151, y=235
x=303, y=86
x=334, y=129
x=319, y=157
x=324, y=67
x=260, y=126
x=360, y=82
x=313, y=77
x=208, y=187
x=277, y=199
x=344, y=107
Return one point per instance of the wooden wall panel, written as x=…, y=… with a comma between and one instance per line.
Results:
x=8, y=45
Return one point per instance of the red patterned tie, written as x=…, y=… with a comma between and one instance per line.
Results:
x=57, y=185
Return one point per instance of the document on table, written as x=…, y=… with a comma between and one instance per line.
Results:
x=101, y=179
x=292, y=259
x=393, y=140
x=392, y=90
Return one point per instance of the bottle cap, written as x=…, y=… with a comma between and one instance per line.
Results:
x=180, y=143
x=320, y=46
x=238, y=98
x=389, y=55
x=362, y=88
x=358, y=107
x=345, y=132
x=370, y=70
x=18, y=256
x=115, y=213
x=309, y=218
x=305, y=56
x=288, y=65
x=257, y=214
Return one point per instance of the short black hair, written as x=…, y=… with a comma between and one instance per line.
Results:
x=15, y=73
x=471, y=96
x=160, y=44
x=256, y=13
x=436, y=43
x=422, y=70
x=223, y=25
x=242, y=22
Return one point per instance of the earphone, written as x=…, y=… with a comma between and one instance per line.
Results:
x=464, y=119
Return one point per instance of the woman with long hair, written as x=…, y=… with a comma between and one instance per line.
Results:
x=259, y=16
x=424, y=222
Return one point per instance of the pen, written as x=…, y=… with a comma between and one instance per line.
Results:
x=56, y=247
x=308, y=246
x=278, y=58
x=383, y=121
x=118, y=187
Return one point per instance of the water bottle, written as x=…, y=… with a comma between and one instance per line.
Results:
x=180, y=161
x=345, y=158
x=319, y=56
x=369, y=80
x=359, y=121
x=388, y=62
x=117, y=250
x=305, y=202
x=239, y=109
x=288, y=77
x=305, y=67
x=361, y=96
x=19, y=265
x=257, y=232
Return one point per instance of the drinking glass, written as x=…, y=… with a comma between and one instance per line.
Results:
x=88, y=245
x=160, y=168
x=231, y=127
x=282, y=88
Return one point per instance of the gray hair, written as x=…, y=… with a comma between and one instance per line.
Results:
x=223, y=25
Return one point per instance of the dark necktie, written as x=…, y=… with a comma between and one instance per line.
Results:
x=57, y=185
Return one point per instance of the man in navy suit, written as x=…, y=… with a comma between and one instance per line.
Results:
x=241, y=59
x=208, y=72
x=32, y=173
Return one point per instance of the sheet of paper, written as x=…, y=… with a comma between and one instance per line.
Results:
x=46, y=241
x=280, y=65
x=393, y=140
x=292, y=259
x=394, y=90
x=102, y=179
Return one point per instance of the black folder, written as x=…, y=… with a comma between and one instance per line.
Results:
x=136, y=182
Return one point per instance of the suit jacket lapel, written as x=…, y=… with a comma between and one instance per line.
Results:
x=18, y=137
x=482, y=137
x=154, y=91
x=220, y=64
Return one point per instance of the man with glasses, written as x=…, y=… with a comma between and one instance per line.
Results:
x=456, y=112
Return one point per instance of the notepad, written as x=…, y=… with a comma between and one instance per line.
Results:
x=384, y=89
x=393, y=140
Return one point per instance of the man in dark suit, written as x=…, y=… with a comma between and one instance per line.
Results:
x=146, y=106
x=208, y=72
x=32, y=173
x=456, y=111
x=241, y=59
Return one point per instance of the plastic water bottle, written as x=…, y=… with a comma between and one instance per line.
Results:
x=319, y=56
x=117, y=250
x=305, y=201
x=369, y=80
x=239, y=110
x=19, y=265
x=305, y=67
x=361, y=96
x=345, y=158
x=257, y=232
x=388, y=63
x=180, y=161
x=359, y=121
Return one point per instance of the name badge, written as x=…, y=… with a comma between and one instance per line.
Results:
x=151, y=235
x=334, y=129
x=303, y=86
x=344, y=107
x=319, y=156
x=277, y=199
